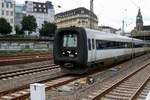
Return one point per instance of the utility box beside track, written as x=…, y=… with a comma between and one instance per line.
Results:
x=37, y=91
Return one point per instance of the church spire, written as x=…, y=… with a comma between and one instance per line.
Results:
x=139, y=21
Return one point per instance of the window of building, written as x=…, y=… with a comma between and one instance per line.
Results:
x=39, y=5
x=7, y=5
x=34, y=5
x=44, y=6
x=12, y=13
x=82, y=11
x=35, y=9
x=2, y=12
x=79, y=22
x=11, y=5
x=7, y=13
x=2, y=4
x=40, y=10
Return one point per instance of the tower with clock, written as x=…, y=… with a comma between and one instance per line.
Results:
x=139, y=21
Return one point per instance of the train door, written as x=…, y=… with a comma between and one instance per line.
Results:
x=93, y=51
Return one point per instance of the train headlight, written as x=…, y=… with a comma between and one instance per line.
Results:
x=76, y=53
x=63, y=53
x=69, y=52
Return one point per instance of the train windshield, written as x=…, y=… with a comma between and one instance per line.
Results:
x=70, y=40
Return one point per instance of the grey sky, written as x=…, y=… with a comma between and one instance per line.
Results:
x=109, y=12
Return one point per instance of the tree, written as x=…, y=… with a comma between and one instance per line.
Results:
x=48, y=29
x=5, y=27
x=18, y=30
x=29, y=23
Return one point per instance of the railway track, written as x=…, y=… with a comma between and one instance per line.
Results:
x=23, y=59
x=24, y=93
x=17, y=73
x=25, y=72
x=134, y=86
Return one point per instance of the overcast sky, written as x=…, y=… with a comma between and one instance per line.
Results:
x=109, y=12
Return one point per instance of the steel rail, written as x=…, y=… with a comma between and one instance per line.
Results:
x=27, y=71
x=103, y=93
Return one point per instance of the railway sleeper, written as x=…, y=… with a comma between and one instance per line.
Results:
x=128, y=84
x=114, y=97
x=147, y=88
x=120, y=94
x=140, y=99
x=125, y=89
x=130, y=87
x=120, y=91
x=142, y=96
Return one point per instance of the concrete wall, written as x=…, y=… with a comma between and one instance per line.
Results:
x=20, y=45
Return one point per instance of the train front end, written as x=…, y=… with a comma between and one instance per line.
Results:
x=70, y=48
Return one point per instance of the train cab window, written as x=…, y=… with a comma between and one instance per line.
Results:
x=93, y=44
x=70, y=40
x=89, y=44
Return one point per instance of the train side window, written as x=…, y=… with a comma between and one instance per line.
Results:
x=89, y=44
x=93, y=44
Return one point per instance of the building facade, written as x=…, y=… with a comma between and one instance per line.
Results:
x=80, y=17
x=141, y=31
x=19, y=13
x=41, y=11
x=7, y=9
x=139, y=21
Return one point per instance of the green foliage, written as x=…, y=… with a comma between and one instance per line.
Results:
x=29, y=23
x=50, y=50
x=48, y=29
x=5, y=27
x=27, y=50
x=18, y=30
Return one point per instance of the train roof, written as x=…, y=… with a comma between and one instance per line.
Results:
x=105, y=35
x=112, y=37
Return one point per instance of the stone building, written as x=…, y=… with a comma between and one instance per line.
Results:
x=139, y=21
x=7, y=9
x=141, y=31
x=80, y=17
x=41, y=11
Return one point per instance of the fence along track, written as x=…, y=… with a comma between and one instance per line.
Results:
x=130, y=87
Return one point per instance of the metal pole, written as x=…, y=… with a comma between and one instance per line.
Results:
x=91, y=5
x=91, y=11
x=132, y=52
x=123, y=26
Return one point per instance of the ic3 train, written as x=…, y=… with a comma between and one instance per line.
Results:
x=77, y=50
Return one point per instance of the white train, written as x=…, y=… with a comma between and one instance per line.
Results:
x=80, y=49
